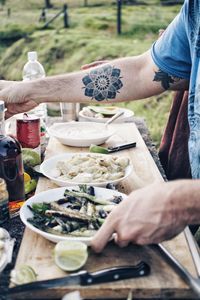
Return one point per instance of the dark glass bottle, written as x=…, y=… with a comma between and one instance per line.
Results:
x=11, y=166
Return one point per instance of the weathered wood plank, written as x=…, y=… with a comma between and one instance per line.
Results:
x=163, y=282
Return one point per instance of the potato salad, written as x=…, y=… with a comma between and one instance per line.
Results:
x=91, y=168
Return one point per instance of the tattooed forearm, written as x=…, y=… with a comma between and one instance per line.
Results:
x=103, y=83
x=165, y=79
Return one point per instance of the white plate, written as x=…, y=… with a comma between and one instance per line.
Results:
x=127, y=116
x=6, y=252
x=49, y=165
x=80, y=134
x=53, y=195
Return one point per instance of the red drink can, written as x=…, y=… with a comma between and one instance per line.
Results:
x=28, y=132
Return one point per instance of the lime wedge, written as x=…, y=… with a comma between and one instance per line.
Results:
x=30, y=186
x=98, y=149
x=30, y=157
x=70, y=255
x=23, y=274
x=107, y=111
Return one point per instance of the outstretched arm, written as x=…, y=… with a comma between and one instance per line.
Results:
x=124, y=79
x=150, y=215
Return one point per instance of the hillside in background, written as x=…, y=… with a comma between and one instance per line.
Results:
x=91, y=36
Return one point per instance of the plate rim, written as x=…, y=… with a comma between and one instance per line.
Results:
x=4, y=256
x=103, y=120
x=78, y=124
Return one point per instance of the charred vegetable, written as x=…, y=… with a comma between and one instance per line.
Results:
x=78, y=213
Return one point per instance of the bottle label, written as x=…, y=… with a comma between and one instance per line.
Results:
x=14, y=207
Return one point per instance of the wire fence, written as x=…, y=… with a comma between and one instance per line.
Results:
x=81, y=3
x=92, y=3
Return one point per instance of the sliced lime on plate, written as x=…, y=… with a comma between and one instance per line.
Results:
x=106, y=111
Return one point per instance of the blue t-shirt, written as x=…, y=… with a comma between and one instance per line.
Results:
x=177, y=52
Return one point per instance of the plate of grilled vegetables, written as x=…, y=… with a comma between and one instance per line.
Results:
x=69, y=213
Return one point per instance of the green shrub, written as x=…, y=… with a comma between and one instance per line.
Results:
x=13, y=33
x=145, y=28
x=96, y=24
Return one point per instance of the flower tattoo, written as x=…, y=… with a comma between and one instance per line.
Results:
x=103, y=83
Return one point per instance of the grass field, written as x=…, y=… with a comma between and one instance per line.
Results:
x=91, y=36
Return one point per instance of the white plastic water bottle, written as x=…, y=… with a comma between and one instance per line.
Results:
x=31, y=71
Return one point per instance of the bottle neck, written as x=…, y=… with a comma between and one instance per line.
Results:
x=2, y=123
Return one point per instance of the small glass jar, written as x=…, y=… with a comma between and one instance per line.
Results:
x=4, y=206
x=69, y=111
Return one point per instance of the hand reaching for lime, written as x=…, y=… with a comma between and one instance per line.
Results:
x=70, y=255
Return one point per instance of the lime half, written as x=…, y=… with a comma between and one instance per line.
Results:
x=23, y=274
x=30, y=157
x=98, y=149
x=70, y=255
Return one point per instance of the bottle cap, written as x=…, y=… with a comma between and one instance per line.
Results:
x=32, y=55
x=2, y=106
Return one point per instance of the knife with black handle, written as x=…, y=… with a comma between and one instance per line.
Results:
x=121, y=147
x=85, y=278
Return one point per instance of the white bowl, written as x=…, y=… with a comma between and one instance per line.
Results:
x=80, y=134
x=53, y=195
x=6, y=251
x=48, y=167
x=127, y=116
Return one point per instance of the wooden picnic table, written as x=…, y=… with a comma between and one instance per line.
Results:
x=163, y=283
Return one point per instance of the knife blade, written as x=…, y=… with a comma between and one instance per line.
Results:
x=85, y=278
x=194, y=283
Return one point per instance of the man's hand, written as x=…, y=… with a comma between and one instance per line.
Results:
x=149, y=215
x=13, y=92
x=16, y=108
x=14, y=95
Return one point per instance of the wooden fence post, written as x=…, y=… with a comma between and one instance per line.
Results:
x=66, y=23
x=48, y=4
x=119, y=13
x=61, y=12
x=9, y=12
